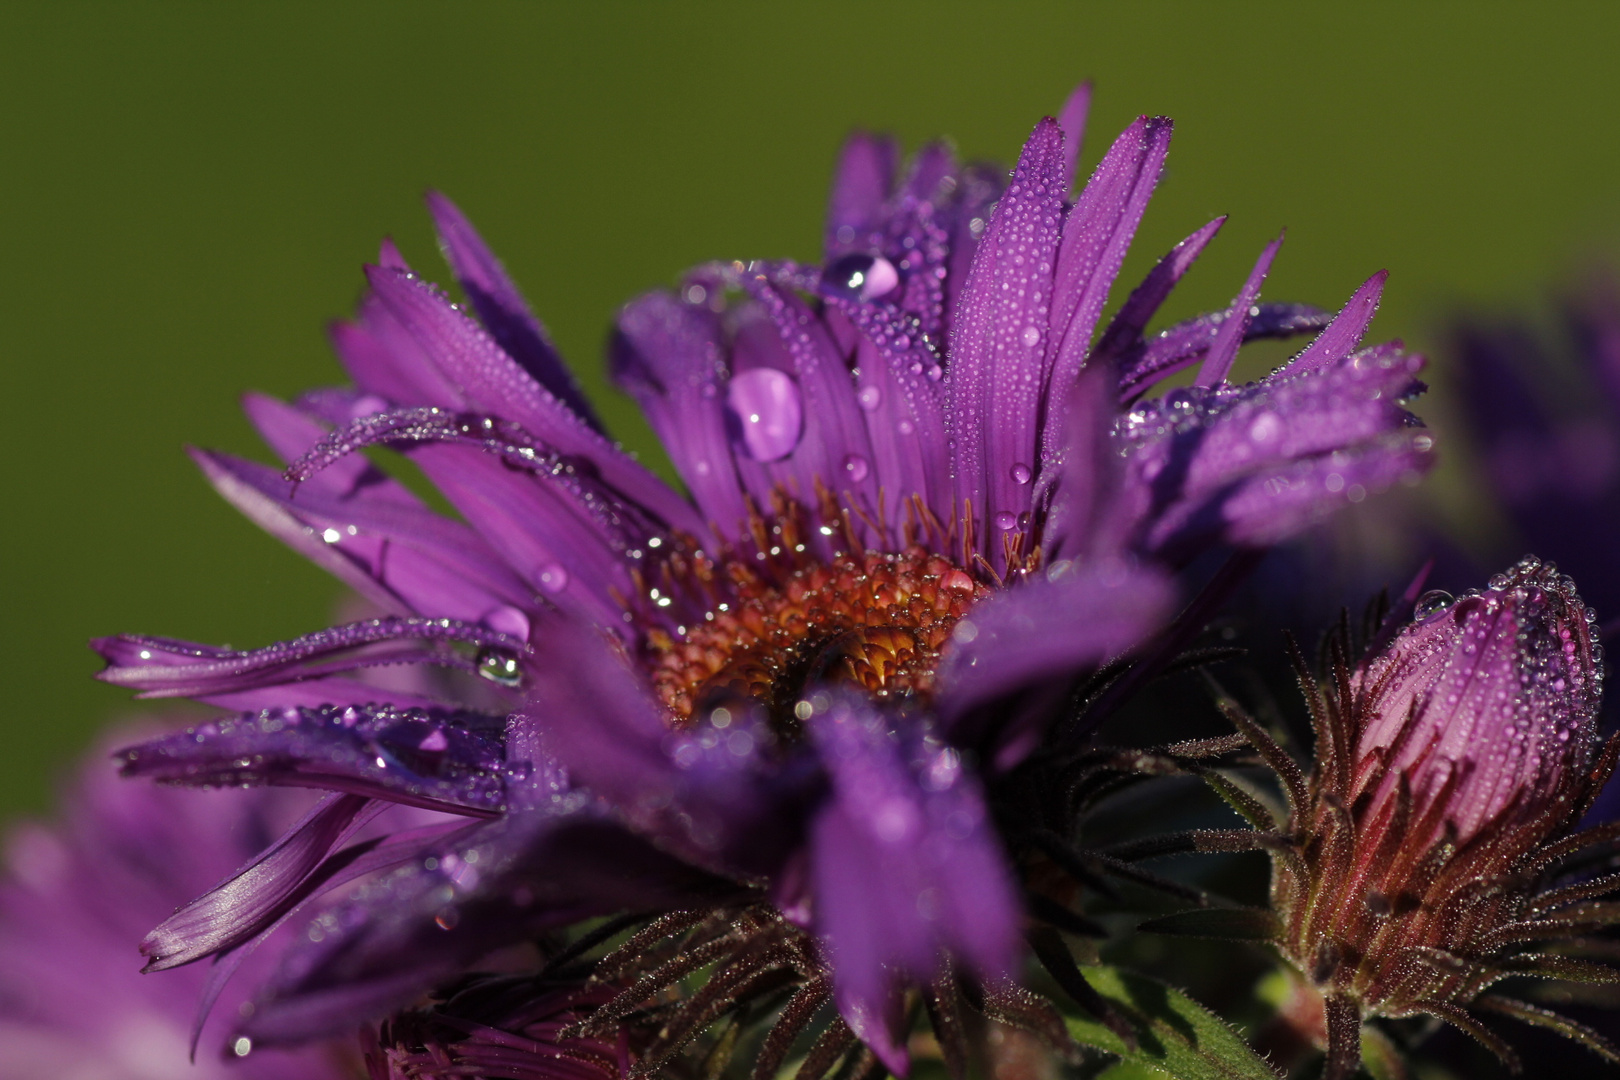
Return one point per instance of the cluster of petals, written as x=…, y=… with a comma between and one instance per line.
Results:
x=941, y=387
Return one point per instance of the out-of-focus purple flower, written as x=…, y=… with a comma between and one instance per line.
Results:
x=1428, y=855
x=1544, y=414
x=77, y=895
x=924, y=491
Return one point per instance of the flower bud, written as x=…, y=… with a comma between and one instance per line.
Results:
x=1424, y=857
x=1488, y=702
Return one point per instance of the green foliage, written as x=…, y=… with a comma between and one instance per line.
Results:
x=1175, y=1036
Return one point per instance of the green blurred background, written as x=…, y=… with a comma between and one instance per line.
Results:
x=189, y=190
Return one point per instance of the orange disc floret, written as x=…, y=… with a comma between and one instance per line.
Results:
x=877, y=620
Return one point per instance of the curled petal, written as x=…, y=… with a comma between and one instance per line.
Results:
x=254, y=896
x=507, y=881
x=434, y=758
x=166, y=667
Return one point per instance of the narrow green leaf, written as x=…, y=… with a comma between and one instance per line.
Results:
x=1231, y=924
x=1175, y=1036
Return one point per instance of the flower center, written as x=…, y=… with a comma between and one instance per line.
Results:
x=876, y=620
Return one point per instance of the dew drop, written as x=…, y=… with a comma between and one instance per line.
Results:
x=766, y=412
x=870, y=397
x=1032, y=336
x=1006, y=520
x=856, y=468
x=1021, y=473
x=861, y=278
x=1431, y=602
x=1265, y=427
x=553, y=578
x=499, y=667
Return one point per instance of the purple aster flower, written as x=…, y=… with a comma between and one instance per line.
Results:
x=1431, y=853
x=74, y=899
x=1544, y=412
x=924, y=496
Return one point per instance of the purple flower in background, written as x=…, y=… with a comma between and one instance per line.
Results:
x=925, y=496
x=76, y=896
x=1544, y=413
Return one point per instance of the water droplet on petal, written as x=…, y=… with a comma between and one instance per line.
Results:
x=499, y=667
x=508, y=620
x=1265, y=427
x=855, y=468
x=766, y=412
x=861, y=278
x=1032, y=336
x=553, y=578
x=870, y=397
x=1431, y=602
x=1006, y=520
x=1021, y=473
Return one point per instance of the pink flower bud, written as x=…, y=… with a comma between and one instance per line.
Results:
x=1488, y=701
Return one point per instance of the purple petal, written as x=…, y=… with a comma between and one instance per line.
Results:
x=165, y=667
x=436, y=759
x=1223, y=350
x=995, y=379
x=861, y=185
x=907, y=871
x=381, y=542
x=668, y=355
x=501, y=308
x=707, y=792
x=1089, y=519
x=1072, y=119
x=1059, y=624
x=254, y=896
x=1254, y=463
x=508, y=881
x=1343, y=335
x=1124, y=333
x=1095, y=238
x=898, y=389
x=835, y=450
x=1185, y=343
x=484, y=380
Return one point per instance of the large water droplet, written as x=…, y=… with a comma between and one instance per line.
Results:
x=861, y=278
x=499, y=667
x=870, y=397
x=1006, y=520
x=1431, y=602
x=766, y=412
x=1021, y=473
x=856, y=468
x=553, y=578
x=1032, y=336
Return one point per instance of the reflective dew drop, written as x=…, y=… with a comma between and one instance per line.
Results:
x=553, y=578
x=861, y=278
x=499, y=667
x=1430, y=602
x=766, y=412
x=870, y=397
x=856, y=468
x=1006, y=520
x=1021, y=473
